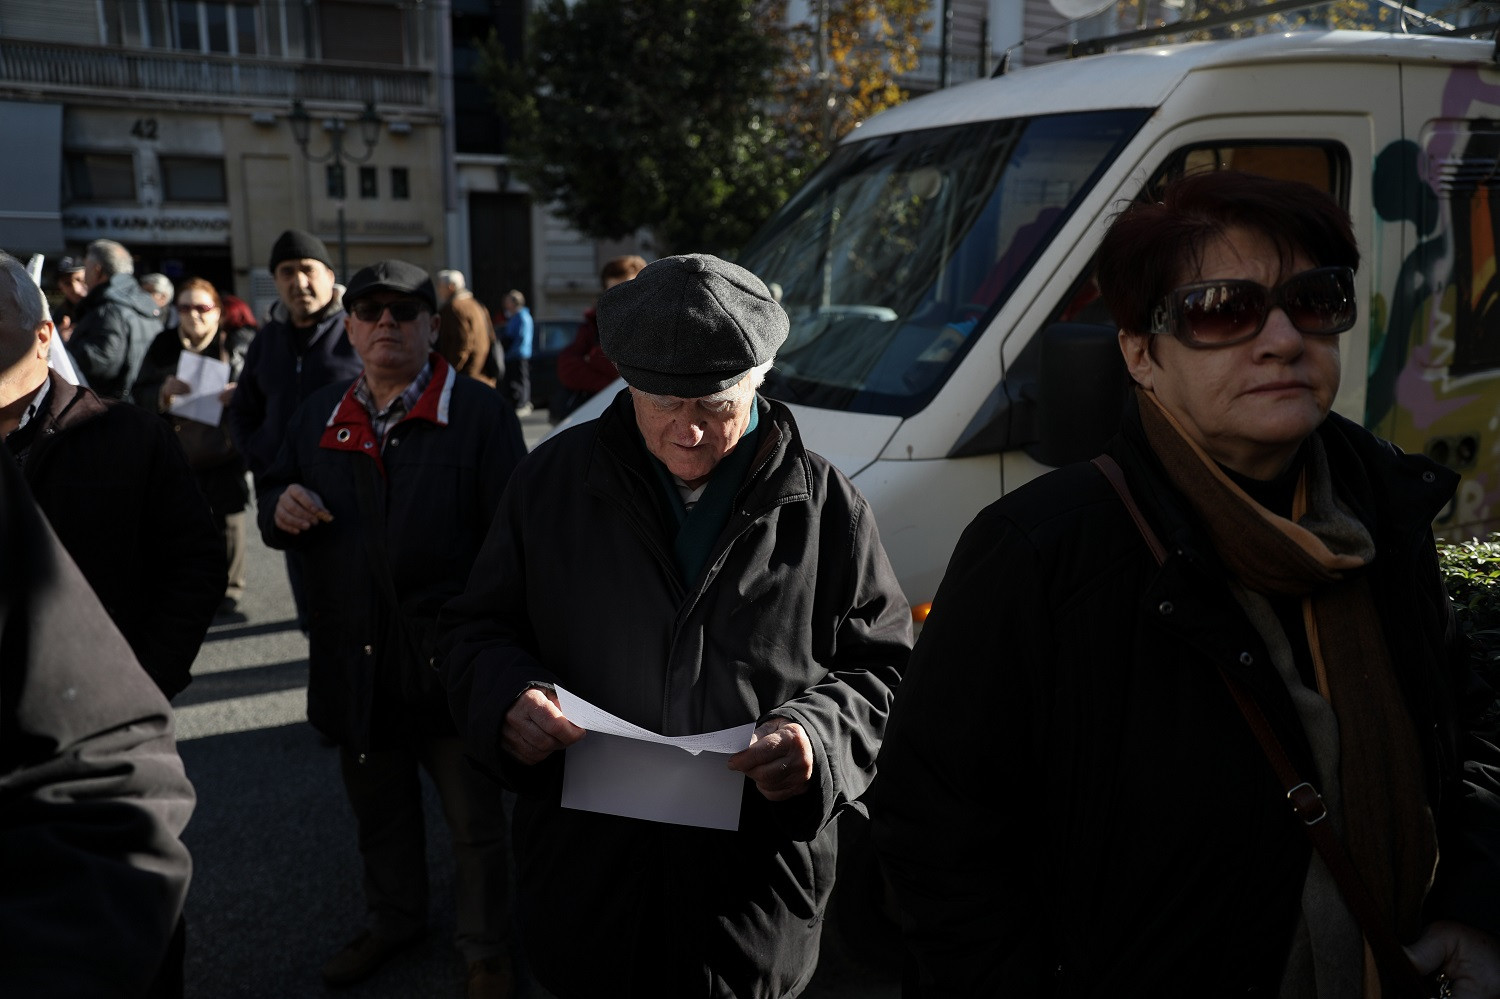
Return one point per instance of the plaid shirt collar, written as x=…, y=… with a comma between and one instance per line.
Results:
x=381, y=421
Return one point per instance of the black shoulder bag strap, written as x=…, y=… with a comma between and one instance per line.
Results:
x=1396, y=969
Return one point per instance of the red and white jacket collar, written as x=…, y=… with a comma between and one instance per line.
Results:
x=349, y=428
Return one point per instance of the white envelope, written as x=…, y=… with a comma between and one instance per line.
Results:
x=623, y=769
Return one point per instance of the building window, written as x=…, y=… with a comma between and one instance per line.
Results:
x=213, y=26
x=362, y=32
x=400, y=184
x=187, y=23
x=245, y=29
x=192, y=178
x=216, y=26
x=101, y=176
x=369, y=185
x=122, y=23
x=335, y=175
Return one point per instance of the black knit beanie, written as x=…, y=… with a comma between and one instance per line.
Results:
x=298, y=244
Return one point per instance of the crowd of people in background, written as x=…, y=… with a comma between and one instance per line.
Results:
x=1267, y=626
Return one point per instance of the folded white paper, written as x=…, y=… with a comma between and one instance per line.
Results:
x=208, y=376
x=623, y=769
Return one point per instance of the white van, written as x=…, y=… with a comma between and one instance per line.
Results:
x=947, y=343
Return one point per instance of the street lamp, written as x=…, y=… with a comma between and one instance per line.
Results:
x=369, y=133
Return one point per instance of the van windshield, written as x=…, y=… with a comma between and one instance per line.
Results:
x=899, y=248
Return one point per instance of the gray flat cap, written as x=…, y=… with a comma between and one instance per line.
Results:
x=689, y=326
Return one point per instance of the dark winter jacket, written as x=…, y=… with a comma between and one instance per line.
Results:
x=435, y=488
x=114, y=327
x=796, y=614
x=93, y=798
x=1070, y=804
x=283, y=367
x=216, y=463
x=118, y=491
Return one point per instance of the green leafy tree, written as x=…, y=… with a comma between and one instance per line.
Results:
x=631, y=113
x=843, y=66
x=695, y=119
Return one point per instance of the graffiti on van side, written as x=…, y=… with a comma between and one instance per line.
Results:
x=1434, y=362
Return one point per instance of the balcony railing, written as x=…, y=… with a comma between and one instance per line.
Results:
x=206, y=77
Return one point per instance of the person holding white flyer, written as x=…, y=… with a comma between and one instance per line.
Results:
x=675, y=596
x=189, y=376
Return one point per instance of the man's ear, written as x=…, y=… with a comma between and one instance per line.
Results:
x=1136, y=349
x=44, y=337
x=432, y=332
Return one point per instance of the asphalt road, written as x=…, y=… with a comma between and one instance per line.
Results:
x=276, y=883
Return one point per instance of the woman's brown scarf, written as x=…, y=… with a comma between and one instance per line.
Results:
x=1386, y=822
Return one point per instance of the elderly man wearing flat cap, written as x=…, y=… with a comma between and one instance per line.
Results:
x=685, y=564
x=387, y=486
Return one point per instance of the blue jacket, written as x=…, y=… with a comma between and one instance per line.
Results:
x=518, y=334
x=278, y=376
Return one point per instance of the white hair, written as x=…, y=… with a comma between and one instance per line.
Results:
x=455, y=278
x=21, y=301
x=111, y=257
x=157, y=284
x=747, y=384
x=743, y=388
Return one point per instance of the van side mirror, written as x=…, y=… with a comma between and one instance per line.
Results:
x=1079, y=392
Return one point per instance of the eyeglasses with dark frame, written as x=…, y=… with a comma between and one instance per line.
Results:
x=403, y=310
x=1209, y=314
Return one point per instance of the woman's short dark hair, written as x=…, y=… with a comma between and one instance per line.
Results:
x=1151, y=245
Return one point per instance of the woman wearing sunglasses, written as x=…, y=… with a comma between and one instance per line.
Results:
x=216, y=463
x=1089, y=777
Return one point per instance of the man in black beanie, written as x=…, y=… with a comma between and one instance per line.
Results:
x=685, y=564
x=289, y=359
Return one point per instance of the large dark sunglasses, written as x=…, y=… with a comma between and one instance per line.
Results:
x=1319, y=302
x=403, y=311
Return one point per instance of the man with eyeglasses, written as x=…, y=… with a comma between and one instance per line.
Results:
x=684, y=563
x=386, y=486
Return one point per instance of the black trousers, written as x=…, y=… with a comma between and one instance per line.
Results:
x=385, y=791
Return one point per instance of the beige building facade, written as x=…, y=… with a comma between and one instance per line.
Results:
x=167, y=125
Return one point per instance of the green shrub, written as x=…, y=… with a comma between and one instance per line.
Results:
x=1471, y=570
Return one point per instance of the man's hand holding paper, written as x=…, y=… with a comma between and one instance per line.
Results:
x=779, y=760
x=535, y=727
